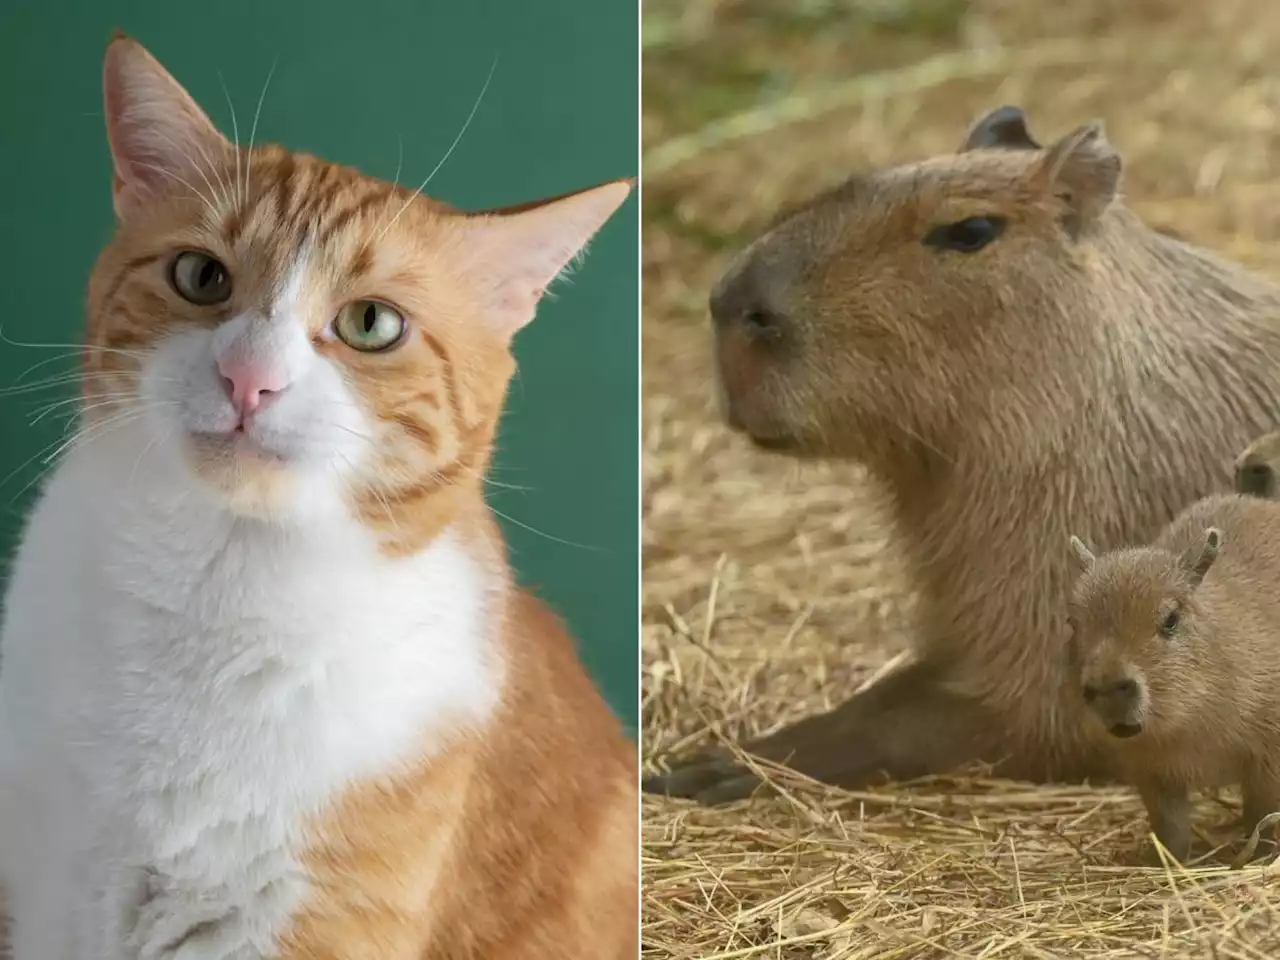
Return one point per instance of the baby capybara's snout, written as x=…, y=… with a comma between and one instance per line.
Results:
x=1118, y=702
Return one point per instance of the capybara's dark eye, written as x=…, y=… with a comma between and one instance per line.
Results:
x=966, y=236
x=1169, y=625
x=1254, y=479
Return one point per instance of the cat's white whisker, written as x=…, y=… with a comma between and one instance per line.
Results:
x=49, y=460
x=542, y=533
x=235, y=135
x=395, y=181
x=191, y=162
x=100, y=400
x=67, y=440
x=475, y=107
x=69, y=347
x=484, y=478
x=94, y=429
x=37, y=386
x=220, y=188
x=499, y=485
x=57, y=381
x=253, y=131
x=477, y=474
x=156, y=438
x=30, y=460
x=208, y=203
x=386, y=506
x=46, y=362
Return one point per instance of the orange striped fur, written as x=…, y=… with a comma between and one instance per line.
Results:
x=512, y=816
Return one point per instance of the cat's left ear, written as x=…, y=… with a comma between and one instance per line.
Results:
x=519, y=251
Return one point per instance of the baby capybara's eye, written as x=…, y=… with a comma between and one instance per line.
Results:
x=966, y=236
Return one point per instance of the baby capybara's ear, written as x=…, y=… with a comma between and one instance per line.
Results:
x=1199, y=561
x=1083, y=554
x=1083, y=170
x=1004, y=128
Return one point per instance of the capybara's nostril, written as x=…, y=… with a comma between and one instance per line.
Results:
x=1090, y=693
x=759, y=321
x=1125, y=688
x=1126, y=730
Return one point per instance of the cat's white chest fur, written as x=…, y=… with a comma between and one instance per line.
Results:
x=181, y=690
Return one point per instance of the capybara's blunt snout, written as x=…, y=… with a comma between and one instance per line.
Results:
x=1121, y=689
x=1118, y=704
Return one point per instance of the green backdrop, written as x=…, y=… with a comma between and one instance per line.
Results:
x=364, y=83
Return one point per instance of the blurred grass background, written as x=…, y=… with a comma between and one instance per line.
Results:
x=772, y=590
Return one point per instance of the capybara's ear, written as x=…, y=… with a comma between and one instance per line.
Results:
x=1200, y=562
x=1083, y=171
x=1004, y=128
x=1083, y=554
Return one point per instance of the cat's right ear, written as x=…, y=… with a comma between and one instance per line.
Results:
x=159, y=137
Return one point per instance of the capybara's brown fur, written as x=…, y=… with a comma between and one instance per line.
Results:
x=1175, y=648
x=1018, y=358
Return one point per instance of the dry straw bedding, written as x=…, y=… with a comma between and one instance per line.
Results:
x=773, y=590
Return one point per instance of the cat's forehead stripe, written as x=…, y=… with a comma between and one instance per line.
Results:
x=378, y=201
x=305, y=198
x=313, y=195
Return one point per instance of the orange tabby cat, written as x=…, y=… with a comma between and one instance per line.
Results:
x=269, y=689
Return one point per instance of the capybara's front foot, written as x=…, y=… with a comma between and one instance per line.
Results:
x=906, y=725
x=711, y=778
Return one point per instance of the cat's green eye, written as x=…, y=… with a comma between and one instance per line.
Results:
x=369, y=326
x=200, y=278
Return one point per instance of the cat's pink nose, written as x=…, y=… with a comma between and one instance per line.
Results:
x=250, y=383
